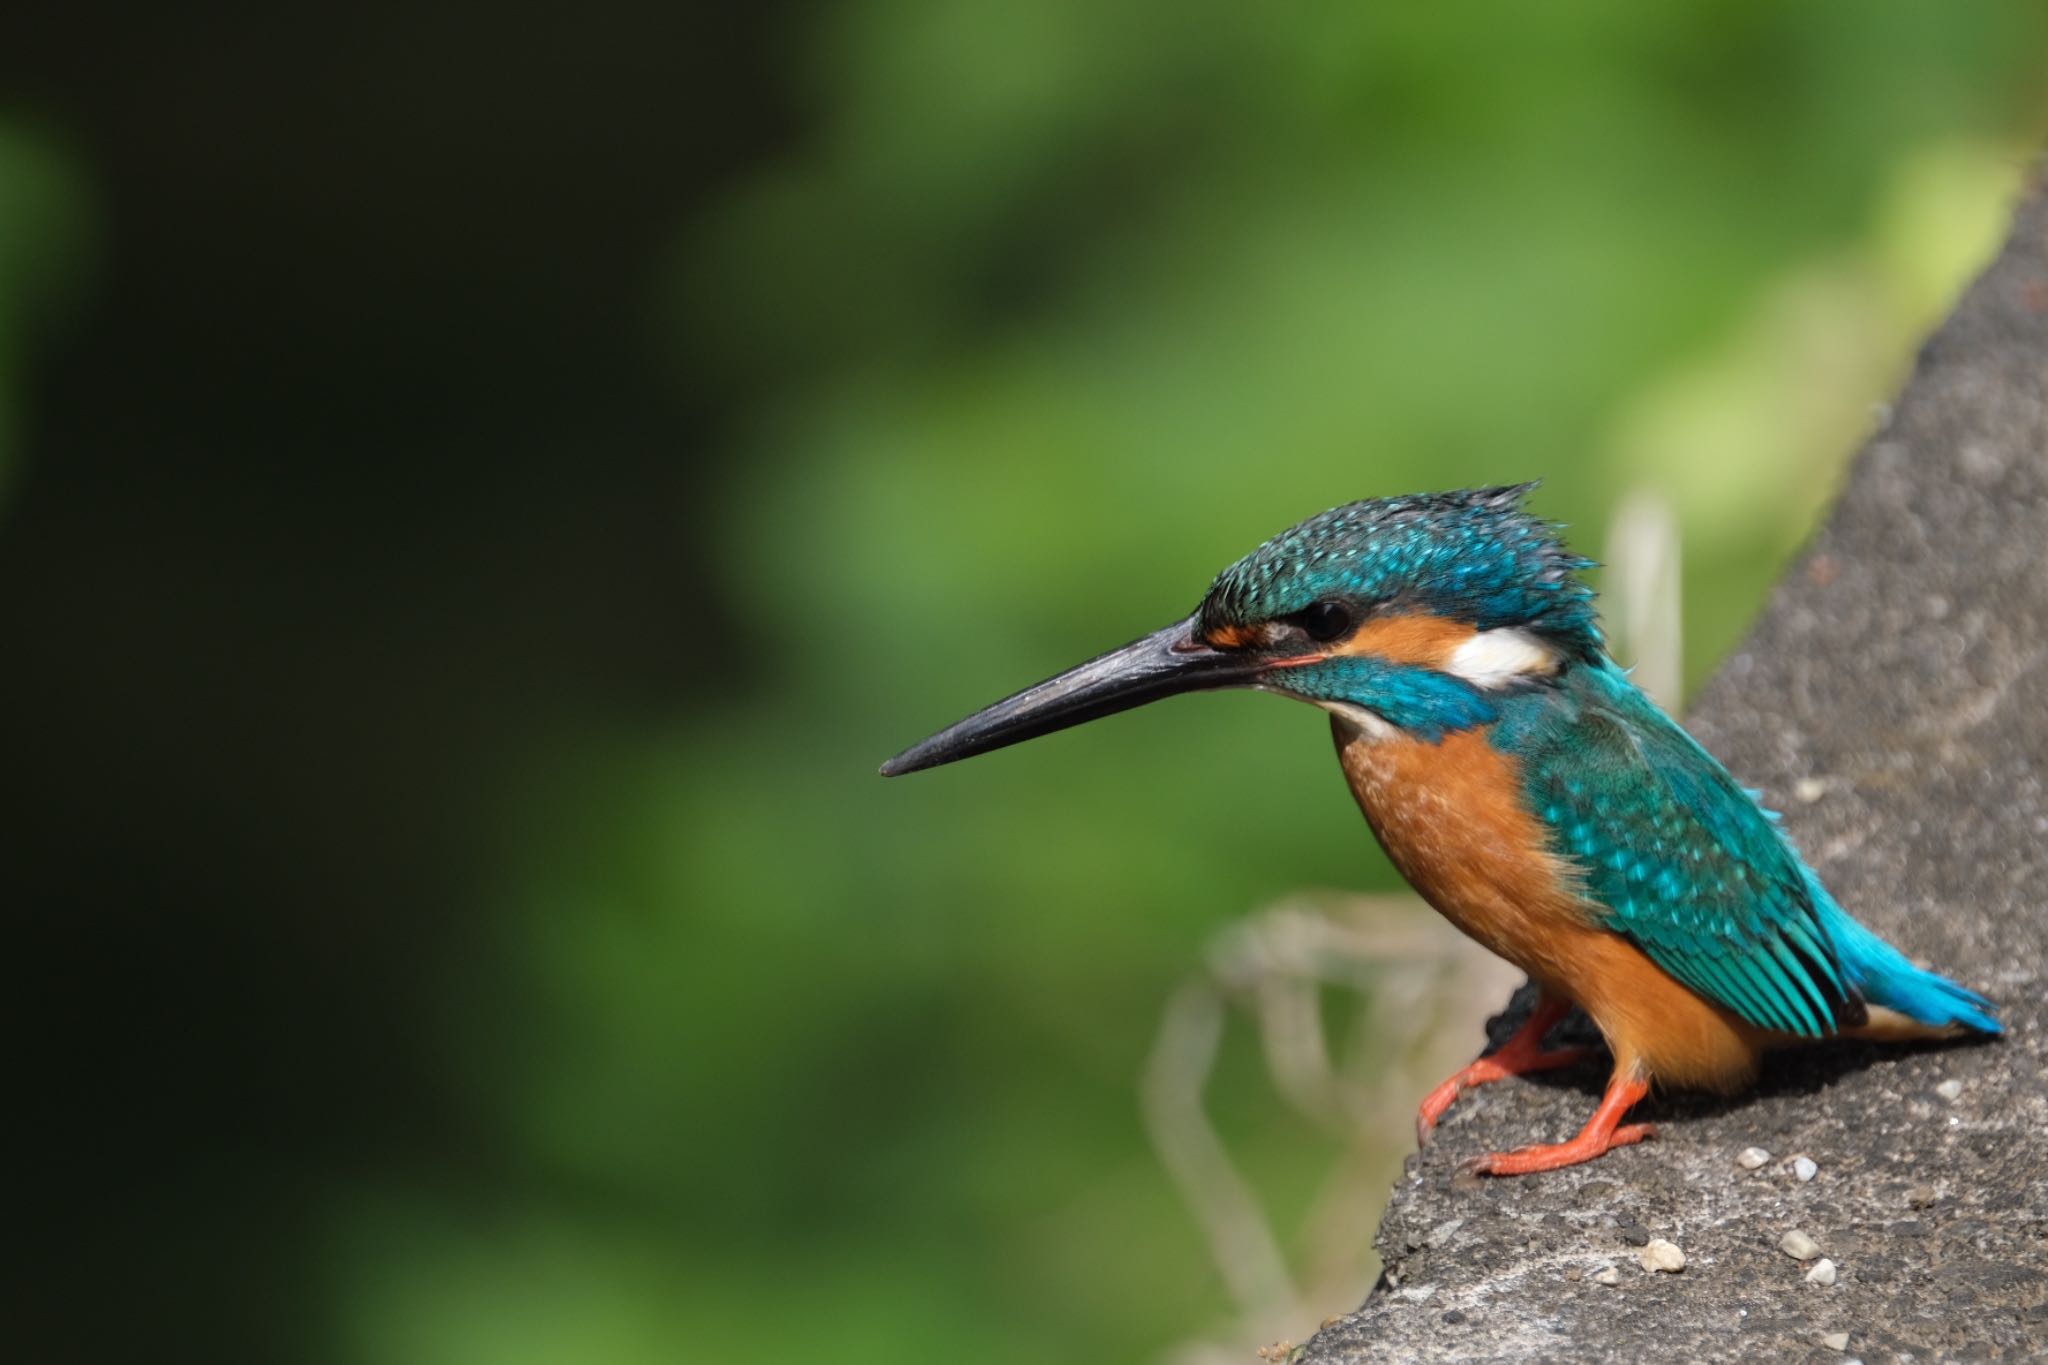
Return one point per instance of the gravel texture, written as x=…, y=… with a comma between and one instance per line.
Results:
x=1893, y=702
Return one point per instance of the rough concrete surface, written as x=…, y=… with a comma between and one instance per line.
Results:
x=1893, y=703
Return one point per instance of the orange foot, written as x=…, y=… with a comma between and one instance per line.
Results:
x=1518, y=1056
x=1600, y=1135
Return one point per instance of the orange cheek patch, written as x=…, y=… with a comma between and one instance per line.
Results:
x=1426, y=641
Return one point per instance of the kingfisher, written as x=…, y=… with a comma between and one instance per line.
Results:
x=1531, y=793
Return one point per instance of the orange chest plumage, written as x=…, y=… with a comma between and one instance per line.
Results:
x=1450, y=817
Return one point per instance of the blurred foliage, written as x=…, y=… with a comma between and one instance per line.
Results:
x=1042, y=313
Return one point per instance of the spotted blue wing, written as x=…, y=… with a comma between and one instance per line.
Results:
x=1684, y=862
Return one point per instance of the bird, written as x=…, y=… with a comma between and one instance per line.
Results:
x=1531, y=793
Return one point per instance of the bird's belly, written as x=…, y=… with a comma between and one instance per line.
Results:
x=1451, y=819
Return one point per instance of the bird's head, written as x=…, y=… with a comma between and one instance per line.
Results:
x=1412, y=614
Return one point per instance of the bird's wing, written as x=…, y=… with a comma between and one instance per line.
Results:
x=1678, y=857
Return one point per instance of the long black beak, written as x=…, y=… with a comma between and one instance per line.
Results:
x=1162, y=664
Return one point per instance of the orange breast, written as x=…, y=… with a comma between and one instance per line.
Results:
x=1450, y=817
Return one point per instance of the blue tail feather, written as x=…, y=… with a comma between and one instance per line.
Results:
x=1881, y=974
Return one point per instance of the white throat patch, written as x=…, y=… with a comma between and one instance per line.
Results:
x=1366, y=724
x=1495, y=658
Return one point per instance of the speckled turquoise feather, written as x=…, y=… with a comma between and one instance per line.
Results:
x=1676, y=855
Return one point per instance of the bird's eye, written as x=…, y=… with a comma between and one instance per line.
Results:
x=1325, y=621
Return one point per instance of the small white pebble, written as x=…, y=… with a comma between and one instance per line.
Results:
x=1836, y=1341
x=1749, y=1158
x=1822, y=1274
x=1798, y=1245
x=1804, y=1168
x=1606, y=1274
x=1662, y=1255
x=1418, y=1293
x=1950, y=1090
x=1809, y=789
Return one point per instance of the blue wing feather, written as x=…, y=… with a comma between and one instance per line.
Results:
x=1677, y=856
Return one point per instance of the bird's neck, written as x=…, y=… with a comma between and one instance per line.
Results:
x=1385, y=700
x=1430, y=708
x=1424, y=678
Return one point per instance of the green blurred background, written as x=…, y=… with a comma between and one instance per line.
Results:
x=481, y=487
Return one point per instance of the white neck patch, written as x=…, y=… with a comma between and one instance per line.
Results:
x=1367, y=724
x=1495, y=658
